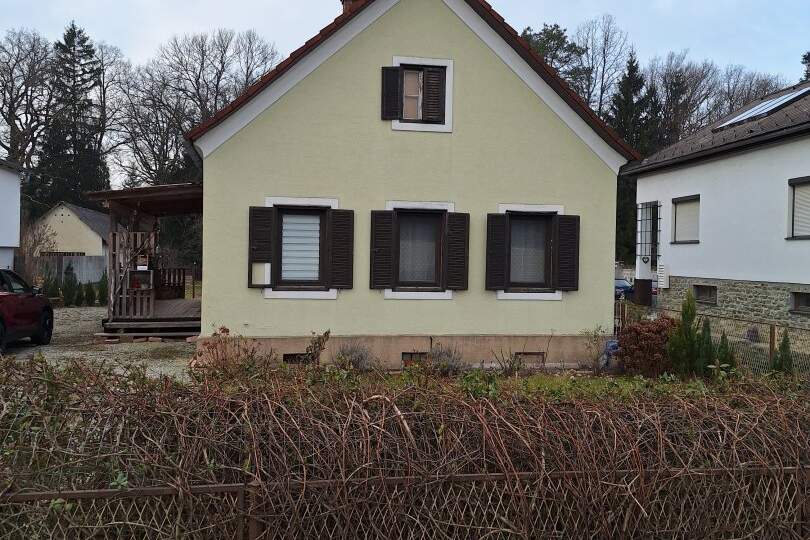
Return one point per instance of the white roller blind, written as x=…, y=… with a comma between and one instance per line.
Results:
x=687, y=221
x=300, y=247
x=801, y=210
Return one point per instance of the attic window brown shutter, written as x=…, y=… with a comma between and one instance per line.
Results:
x=391, y=93
x=565, y=230
x=341, y=238
x=261, y=220
x=433, y=95
x=496, y=252
x=382, y=249
x=458, y=242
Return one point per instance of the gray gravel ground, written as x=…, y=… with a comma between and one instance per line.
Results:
x=73, y=338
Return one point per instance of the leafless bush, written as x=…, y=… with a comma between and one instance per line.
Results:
x=35, y=238
x=355, y=355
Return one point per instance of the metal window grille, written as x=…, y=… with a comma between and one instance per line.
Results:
x=648, y=218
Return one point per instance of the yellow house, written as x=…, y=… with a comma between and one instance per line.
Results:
x=77, y=231
x=412, y=175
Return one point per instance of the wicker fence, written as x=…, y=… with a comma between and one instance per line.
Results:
x=718, y=503
x=754, y=342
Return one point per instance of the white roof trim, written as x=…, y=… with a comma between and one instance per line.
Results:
x=522, y=69
x=220, y=133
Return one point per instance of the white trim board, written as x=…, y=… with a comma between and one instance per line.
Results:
x=220, y=133
x=270, y=294
x=447, y=127
x=522, y=69
x=226, y=129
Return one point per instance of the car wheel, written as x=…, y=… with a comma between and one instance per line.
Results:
x=2, y=339
x=43, y=336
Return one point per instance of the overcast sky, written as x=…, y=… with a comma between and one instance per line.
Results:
x=765, y=35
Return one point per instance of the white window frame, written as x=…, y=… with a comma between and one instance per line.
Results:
x=270, y=294
x=447, y=127
x=555, y=296
x=390, y=294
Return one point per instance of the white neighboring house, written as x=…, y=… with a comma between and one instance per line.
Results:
x=726, y=213
x=9, y=213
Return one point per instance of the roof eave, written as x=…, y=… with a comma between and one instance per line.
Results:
x=635, y=169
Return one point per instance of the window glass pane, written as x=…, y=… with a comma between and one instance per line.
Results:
x=410, y=108
x=801, y=301
x=412, y=95
x=801, y=210
x=417, y=247
x=412, y=83
x=687, y=221
x=16, y=283
x=528, y=251
x=300, y=247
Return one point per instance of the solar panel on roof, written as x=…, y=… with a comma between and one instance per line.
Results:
x=766, y=107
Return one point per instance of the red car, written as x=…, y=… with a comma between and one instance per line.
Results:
x=24, y=312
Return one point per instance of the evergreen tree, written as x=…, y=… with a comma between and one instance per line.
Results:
x=89, y=294
x=78, y=298
x=103, y=289
x=708, y=354
x=70, y=159
x=684, y=345
x=806, y=64
x=626, y=115
x=629, y=104
x=69, y=285
x=651, y=140
x=559, y=52
x=724, y=353
x=783, y=359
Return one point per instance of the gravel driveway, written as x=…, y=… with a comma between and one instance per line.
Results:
x=73, y=338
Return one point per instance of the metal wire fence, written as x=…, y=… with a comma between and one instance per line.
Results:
x=755, y=343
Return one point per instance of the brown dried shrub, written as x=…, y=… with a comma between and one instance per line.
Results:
x=643, y=347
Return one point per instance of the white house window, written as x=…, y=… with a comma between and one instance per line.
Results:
x=413, y=84
x=300, y=246
x=800, y=215
x=686, y=218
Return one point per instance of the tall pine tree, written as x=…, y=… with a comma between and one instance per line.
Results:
x=69, y=161
x=627, y=115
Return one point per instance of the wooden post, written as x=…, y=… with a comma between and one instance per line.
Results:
x=772, y=348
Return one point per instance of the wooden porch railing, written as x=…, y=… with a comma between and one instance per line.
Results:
x=134, y=304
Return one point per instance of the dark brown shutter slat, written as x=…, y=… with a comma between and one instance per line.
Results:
x=261, y=220
x=341, y=237
x=458, y=256
x=565, y=253
x=496, y=252
x=382, y=249
x=433, y=95
x=391, y=93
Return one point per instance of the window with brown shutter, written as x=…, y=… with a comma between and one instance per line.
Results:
x=532, y=252
x=414, y=94
x=307, y=248
x=419, y=250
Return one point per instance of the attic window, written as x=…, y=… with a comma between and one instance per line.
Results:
x=764, y=109
x=417, y=94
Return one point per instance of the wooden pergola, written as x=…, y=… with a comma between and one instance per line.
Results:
x=145, y=296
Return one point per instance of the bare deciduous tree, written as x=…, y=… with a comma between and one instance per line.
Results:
x=35, y=238
x=25, y=95
x=606, y=49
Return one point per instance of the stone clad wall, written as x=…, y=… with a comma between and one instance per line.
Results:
x=749, y=300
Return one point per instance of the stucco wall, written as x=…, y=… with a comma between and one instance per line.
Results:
x=9, y=208
x=71, y=234
x=744, y=216
x=325, y=139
